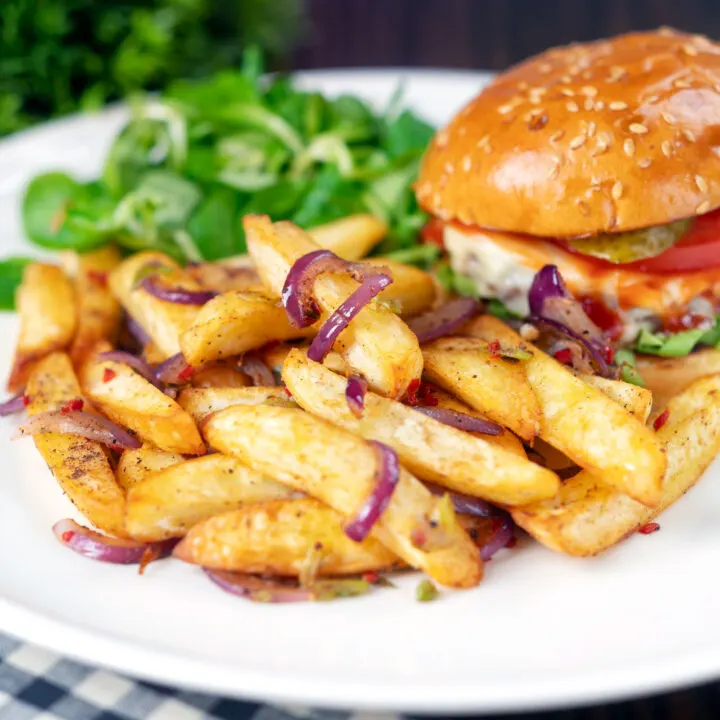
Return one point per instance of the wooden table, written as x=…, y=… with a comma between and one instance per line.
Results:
x=492, y=34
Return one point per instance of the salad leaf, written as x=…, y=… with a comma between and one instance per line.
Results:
x=11, y=272
x=677, y=344
x=423, y=256
x=193, y=160
x=500, y=310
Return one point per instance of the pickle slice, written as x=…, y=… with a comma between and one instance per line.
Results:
x=634, y=245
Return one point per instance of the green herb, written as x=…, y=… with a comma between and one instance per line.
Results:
x=11, y=272
x=500, y=310
x=333, y=589
x=423, y=256
x=676, y=344
x=455, y=282
x=625, y=359
x=194, y=160
x=426, y=591
x=59, y=56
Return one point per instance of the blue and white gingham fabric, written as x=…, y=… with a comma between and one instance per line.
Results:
x=36, y=684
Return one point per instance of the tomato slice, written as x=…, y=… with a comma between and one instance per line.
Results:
x=433, y=233
x=696, y=250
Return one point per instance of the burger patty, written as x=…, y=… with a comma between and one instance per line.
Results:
x=502, y=266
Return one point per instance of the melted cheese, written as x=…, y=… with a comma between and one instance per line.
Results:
x=502, y=265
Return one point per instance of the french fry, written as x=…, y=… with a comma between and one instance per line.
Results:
x=80, y=466
x=666, y=377
x=274, y=354
x=586, y=425
x=432, y=451
x=98, y=311
x=234, y=323
x=200, y=403
x=277, y=537
x=223, y=374
x=48, y=318
x=338, y=468
x=505, y=440
x=135, y=465
x=587, y=516
x=495, y=386
x=169, y=502
x=377, y=344
x=636, y=400
x=163, y=321
x=130, y=400
x=412, y=291
x=225, y=277
x=352, y=237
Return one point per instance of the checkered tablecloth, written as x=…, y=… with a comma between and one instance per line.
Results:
x=39, y=685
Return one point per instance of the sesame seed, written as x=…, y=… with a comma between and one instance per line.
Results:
x=617, y=190
x=572, y=106
x=505, y=109
x=667, y=148
x=462, y=130
x=436, y=199
x=652, y=99
x=629, y=147
x=545, y=68
x=616, y=73
x=689, y=135
x=617, y=105
x=556, y=136
x=522, y=86
x=607, y=138
x=703, y=207
x=589, y=104
x=554, y=170
x=682, y=84
x=466, y=163
x=484, y=141
x=600, y=147
x=449, y=168
x=690, y=50
x=567, y=92
x=644, y=163
x=534, y=99
x=668, y=118
x=583, y=207
x=589, y=90
x=716, y=88
x=539, y=90
x=566, y=79
x=577, y=142
x=599, y=104
x=591, y=128
x=701, y=183
x=441, y=139
x=637, y=129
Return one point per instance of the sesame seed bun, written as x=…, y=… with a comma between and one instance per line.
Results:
x=599, y=137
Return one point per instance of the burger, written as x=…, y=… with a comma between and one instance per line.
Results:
x=599, y=163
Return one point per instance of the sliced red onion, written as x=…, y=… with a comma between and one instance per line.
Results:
x=177, y=295
x=553, y=306
x=355, y=394
x=95, y=546
x=13, y=405
x=297, y=292
x=283, y=590
x=174, y=371
x=465, y=504
x=386, y=480
x=133, y=361
x=258, y=371
x=444, y=320
x=597, y=355
x=460, y=420
x=84, y=424
x=501, y=537
x=371, y=286
x=137, y=331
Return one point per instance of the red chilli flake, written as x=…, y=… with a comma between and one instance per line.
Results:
x=511, y=543
x=108, y=375
x=494, y=349
x=287, y=392
x=67, y=536
x=186, y=373
x=370, y=577
x=26, y=400
x=661, y=419
x=564, y=356
x=609, y=354
x=420, y=394
x=98, y=277
x=73, y=406
x=649, y=528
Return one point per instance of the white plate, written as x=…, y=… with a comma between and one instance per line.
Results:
x=542, y=630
